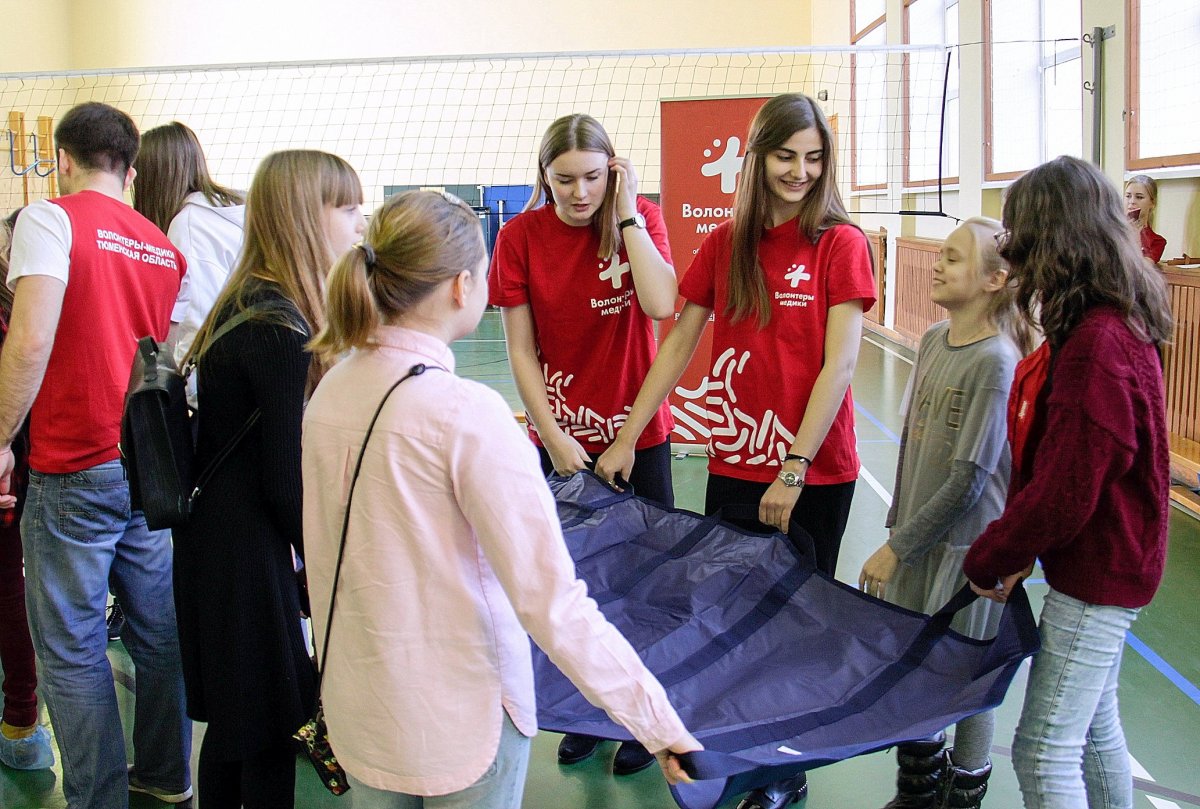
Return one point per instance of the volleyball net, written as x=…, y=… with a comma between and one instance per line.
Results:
x=475, y=122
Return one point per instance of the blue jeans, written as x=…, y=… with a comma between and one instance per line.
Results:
x=501, y=787
x=80, y=536
x=1069, y=751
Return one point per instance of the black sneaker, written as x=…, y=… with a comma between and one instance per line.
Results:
x=631, y=757
x=115, y=621
x=778, y=795
x=574, y=749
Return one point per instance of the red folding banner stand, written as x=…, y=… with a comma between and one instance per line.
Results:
x=703, y=143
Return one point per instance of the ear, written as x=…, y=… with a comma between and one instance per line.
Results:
x=130, y=176
x=996, y=280
x=460, y=288
x=64, y=161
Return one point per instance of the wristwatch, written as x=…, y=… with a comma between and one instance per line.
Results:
x=791, y=479
x=637, y=220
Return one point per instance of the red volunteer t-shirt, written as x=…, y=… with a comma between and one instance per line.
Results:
x=593, y=340
x=761, y=379
x=124, y=277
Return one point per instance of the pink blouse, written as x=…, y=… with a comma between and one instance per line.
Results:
x=454, y=552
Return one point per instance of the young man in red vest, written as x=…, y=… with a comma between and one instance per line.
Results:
x=90, y=276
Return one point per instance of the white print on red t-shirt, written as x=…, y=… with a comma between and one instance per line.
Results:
x=135, y=249
x=796, y=274
x=615, y=272
x=582, y=423
x=736, y=431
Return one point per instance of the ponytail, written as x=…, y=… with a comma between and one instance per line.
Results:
x=416, y=241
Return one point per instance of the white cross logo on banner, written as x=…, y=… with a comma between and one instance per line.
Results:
x=727, y=165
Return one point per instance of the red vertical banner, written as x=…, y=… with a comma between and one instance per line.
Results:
x=703, y=142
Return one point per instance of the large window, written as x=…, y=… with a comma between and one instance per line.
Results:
x=927, y=131
x=1162, y=113
x=1032, y=52
x=868, y=97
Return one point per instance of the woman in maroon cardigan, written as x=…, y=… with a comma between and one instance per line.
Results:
x=1088, y=496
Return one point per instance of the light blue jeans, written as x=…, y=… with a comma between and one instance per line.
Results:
x=501, y=787
x=1069, y=751
x=79, y=536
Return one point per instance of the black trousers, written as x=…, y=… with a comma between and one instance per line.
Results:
x=651, y=475
x=821, y=512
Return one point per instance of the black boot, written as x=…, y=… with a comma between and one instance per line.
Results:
x=963, y=789
x=777, y=795
x=921, y=764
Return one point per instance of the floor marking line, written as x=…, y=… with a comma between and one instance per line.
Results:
x=883, y=493
x=888, y=350
x=869, y=416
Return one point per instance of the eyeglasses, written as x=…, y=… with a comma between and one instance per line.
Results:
x=1003, y=239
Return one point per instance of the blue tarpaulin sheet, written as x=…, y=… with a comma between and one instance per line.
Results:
x=774, y=667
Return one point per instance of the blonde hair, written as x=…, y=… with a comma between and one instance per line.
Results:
x=583, y=133
x=416, y=241
x=1151, y=185
x=285, y=244
x=1002, y=309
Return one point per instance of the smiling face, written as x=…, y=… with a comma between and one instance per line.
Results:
x=578, y=181
x=957, y=279
x=791, y=170
x=1138, y=203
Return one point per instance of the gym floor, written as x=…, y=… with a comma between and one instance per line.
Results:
x=1160, y=678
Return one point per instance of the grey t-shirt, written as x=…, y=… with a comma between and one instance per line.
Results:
x=955, y=411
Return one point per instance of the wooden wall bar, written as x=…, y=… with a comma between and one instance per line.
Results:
x=914, y=273
x=877, y=240
x=1182, y=369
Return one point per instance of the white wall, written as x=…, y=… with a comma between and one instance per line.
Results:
x=149, y=33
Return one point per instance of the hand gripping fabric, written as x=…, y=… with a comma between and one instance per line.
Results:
x=774, y=667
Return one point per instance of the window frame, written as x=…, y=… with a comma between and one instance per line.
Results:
x=1044, y=64
x=906, y=111
x=856, y=36
x=1133, y=158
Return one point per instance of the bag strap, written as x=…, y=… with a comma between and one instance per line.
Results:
x=229, y=325
x=416, y=370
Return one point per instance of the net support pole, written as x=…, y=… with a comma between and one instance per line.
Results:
x=1096, y=40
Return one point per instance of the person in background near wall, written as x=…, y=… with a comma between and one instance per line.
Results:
x=1141, y=200
x=454, y=548
x=201, y=218
x=90, y=275
x=581, y=276
x=1090, y=483
x=787, y=280
x=951, y=479
x=245, y=662
x=24, y=744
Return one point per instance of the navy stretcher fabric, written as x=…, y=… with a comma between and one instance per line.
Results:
x=774, y=667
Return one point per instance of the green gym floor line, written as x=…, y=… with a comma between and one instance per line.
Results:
x=1160, y=702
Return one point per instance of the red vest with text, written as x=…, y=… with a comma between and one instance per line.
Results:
x=124, y=276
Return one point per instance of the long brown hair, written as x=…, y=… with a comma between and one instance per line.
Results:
x=1071, y=248
x=1002, y=307
x=584, y=133
x=822, y=208
x=171, y=165
x=415, y=241
x=285, y=244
